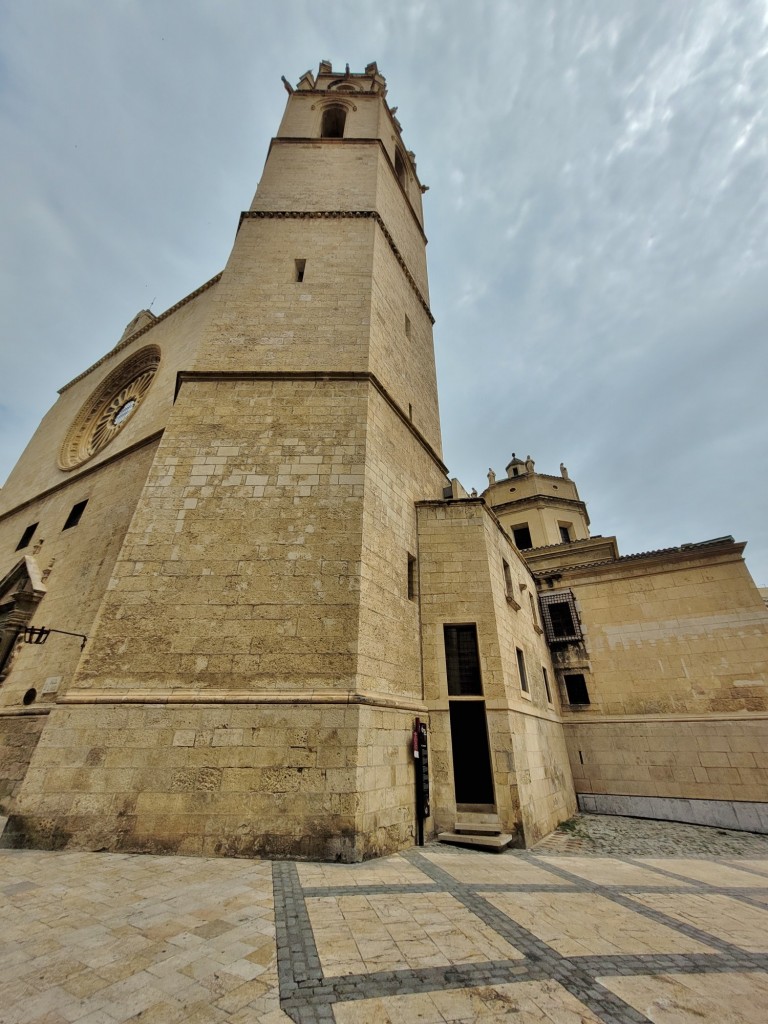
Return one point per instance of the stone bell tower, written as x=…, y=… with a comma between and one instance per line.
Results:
x=254, y=668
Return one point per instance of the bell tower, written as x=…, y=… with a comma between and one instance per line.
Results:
x=254, y=668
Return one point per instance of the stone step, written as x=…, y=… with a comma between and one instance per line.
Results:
x=496, y=843
x=490, y=827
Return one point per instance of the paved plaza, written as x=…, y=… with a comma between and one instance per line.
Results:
x=608, y=920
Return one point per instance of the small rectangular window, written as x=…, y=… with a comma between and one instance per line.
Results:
x=546, y=685
x=576, y=688
x=462, y=660
x=521, y=669
x=410, y=412
x=75, y=515
x=522, y=536
x=565, y=534
x=407, y=327
x=411, y=578
x=300, y=268
x=27, y=536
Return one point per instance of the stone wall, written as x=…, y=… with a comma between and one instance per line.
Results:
x=462, y=554
x=19, y=735
x=675, y=655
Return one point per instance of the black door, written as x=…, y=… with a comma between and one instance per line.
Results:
x=472, y=775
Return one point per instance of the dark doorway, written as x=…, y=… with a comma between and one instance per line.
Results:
x=472, y=775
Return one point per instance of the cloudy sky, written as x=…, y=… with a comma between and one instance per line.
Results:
x=597, y=216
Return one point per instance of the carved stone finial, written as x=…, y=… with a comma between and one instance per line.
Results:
x=491, y=478
x=564, y=472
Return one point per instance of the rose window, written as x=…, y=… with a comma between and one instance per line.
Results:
x=110, y=408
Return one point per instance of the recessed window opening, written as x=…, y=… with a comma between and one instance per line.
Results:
x=562, y=620
x=410, y=411
x=546, y=684
x=522, y=536
x=565, y=533
x=508, y=584
x=462, y=661
x=29, y=697
x=301, y=266
x=576, y=688
x=521, y=669
x=400, y=167
x=27, y=536
x=75, y=515
x=334, y=119
x=411, y=578
x=407, y=327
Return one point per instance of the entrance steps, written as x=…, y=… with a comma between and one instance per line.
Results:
x=481, y=830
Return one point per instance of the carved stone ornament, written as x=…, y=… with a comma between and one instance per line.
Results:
x=109, y=408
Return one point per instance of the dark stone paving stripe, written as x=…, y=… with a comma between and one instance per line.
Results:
x=663, y=963
x=522, y=939
x=604, y=1004
x=565, y=888
x=298, y=963
x=744, y=894
x=734, y=863
x=367, y=890
x=691, y=931
x=379, y=984
x=307, y=996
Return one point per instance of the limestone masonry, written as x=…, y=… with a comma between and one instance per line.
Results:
x=243, y=507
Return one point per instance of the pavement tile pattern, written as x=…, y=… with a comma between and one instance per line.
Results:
x=608, y=921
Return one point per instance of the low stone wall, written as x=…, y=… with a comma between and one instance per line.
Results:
x=740, y=815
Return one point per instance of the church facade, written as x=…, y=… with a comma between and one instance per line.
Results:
x=236, y=572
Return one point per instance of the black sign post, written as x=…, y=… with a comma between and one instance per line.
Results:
x=421, y=764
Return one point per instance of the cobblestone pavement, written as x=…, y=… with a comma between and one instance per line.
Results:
x=609, y=920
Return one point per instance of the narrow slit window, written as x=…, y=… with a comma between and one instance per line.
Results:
x=410, y=412
x=301, y=266
x=411, y=578
x=521, y=669
x=75, y=515
x=27, y=536
x=509, y=586
x=546, y=684
x=400, y=167
x=407, y=327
